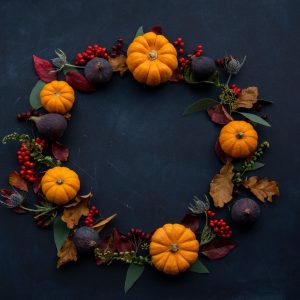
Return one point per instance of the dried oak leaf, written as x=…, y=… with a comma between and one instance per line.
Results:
x=263, y=189
x=119, y=64
x=67, y=253
x=73, y=213
x=219, y=115
x=247, y=97
x=221, y=186
x=15, y=180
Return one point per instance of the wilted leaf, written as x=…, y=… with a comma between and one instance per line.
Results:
x=140, y=31
x=156, y=29
x=219, y=115
x=263, y=189
x=77, y=81
x=255, y=119
x=15, y=180
x=221, y=186
x=34, y=98
x=72, y=214
x=100, y=225
x=247, y=97
x=198, y=267
x=60, y=232
x=200, y=105
x=220, y=153
x=207, y=235
x=59, y=151
x=191, y=221
x=44, y=69
x=134, y=272
x=67, y=253
x=119, y=64
x=218, y=249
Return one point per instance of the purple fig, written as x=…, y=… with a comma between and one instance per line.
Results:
x=50, y=126
x=98, y=70
x=85, y=238
x=245, y=211
x=203, y=67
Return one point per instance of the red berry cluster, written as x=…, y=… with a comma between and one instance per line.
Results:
x=198, y=52
x=26, y=161
x=138, y=233
x=183, y=62
x=117, y=48
x=92, y=51
x=26, y=115
x=180, y=44
x=235, y=89
x=219, y=61
x=89, y=221
x=220, y=227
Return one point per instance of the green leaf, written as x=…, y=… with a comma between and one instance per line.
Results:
x=134, y=272
x=60, y=231
x=200, y=105
x=34, y=98
x=266, y=101
x=255, y=118
x=188, y=75
x=198, y=267
x=207, y=235
x=238, y=166
x=140, y=31
x=213, y=79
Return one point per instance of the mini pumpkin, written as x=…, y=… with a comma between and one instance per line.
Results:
x=238, y=139
x=60, y=185
x=174, y=248
x=57, y=97
x=151, y=58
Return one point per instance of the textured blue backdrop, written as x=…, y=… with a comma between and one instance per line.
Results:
x=143, y=160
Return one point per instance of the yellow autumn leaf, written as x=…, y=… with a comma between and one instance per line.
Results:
x=221, y=186
x=67, y=253
x=263, y=189
x=100, y=225
x=247, y=97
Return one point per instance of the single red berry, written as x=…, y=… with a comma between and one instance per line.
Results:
x=181, y=44
x=179, y=39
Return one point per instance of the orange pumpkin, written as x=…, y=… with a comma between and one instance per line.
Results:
x=238, y=139
x=151, y=58
x=60, y=185
x=57, y=97
x=174, y=248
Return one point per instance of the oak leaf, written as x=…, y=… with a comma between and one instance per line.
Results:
x=67, y=253
x=221, y=186
x=72, y=214
x=263, y=189
x=247, y=98
x=118, y=64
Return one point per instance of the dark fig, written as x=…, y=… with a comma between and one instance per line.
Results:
x=245, y=211
x=50, y=126
x=85, y=238
x=203, y=67
x=98, y=70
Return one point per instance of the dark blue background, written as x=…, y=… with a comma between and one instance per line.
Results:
x=144, y=161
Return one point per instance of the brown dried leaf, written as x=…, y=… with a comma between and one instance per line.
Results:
x=247, y=97
x=263, y=189
x=119, y=64
x=72, y=214
x=67, y=253
x=221, y=186
x=100, y=225
x=15, y=180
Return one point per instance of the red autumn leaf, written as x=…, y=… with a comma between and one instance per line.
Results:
x=219, y=115
x=220, y=153
x=37, y=182
x=157, y=30
x=191, y=221
x=5, y=193
x=176, y=76
x=122, y=243
x=105, y=245
x=77, y=81
x=15, y=180
x=218, y=249
x=60, y=151
x=44, y=69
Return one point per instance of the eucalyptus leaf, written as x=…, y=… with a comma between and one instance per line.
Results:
x=265, y=101
x=213, y=79
x=188, y=76
x=255, y=118
x=34, y=98
x=200, y=105
x=134, y=272
x=207, y=235
x=198, y=267
x=140, y=31
x=60, y=231
x=238, y=166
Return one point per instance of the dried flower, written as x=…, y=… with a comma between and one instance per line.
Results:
x=12, y=199
x=232, y=65
x=61, y=62
x=199, y=206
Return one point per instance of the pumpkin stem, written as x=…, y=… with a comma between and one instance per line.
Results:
x=239, y=135
x=59, y=181
x=152, y=55
x=174, y=248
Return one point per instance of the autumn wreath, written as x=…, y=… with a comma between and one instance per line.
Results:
x=77, y=224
